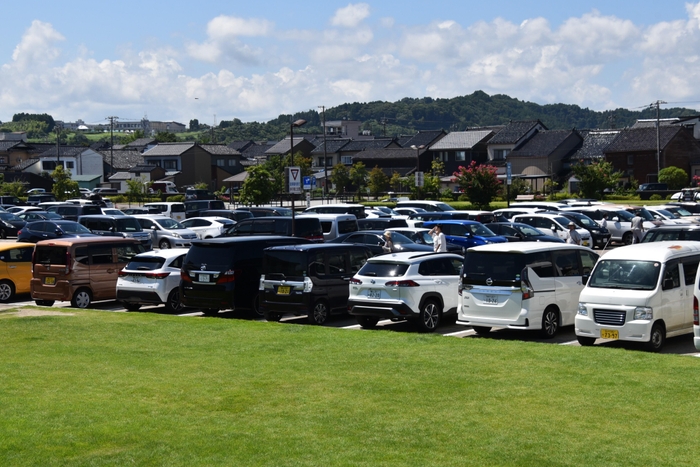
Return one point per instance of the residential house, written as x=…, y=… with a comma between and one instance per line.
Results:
x=390, y=160
x=510, y=137
x=460, y=148
x=172, y=127
x=302, y=145
x=592, y=149
x=421, y=143
x=141, y=144
x=79, y=160
x=332, y=152
x=354, y=147
x=120, y=160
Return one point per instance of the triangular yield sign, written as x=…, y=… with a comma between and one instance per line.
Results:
x=295, y=173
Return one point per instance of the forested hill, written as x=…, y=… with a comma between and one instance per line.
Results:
x=478, y=109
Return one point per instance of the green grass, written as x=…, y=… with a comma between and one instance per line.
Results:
x=100, y=388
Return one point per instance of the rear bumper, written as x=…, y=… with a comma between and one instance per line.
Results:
x=381, y=309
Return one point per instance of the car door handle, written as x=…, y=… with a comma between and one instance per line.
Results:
x=110, y=271
x=12, y=267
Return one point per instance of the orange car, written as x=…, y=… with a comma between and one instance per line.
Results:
x=15, y=269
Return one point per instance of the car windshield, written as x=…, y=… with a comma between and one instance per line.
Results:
x=74, y=227
x=285, y=262
x=170, y=224
x=644, y=214
x=585, y=221
x=625, y=274
x=383, y=269
x=624, y=215
x=128, y=225
x=527, y=230
x=681, y=211
x=399, y=239
x=667, y=214
x=145, y=264
x=480, y=230
x=8, y=216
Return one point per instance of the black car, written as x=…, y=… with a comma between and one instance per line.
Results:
x=375, y=223
x=52, y=229
x=600, y=237
x=304, y=227
x=265, y=211
x=518, y=232
x=140, y=210
x=10, y=224
x=234, y=215
x=374, y=239
x=192, y=194
x=32, y=216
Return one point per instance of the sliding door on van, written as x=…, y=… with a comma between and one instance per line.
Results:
x=569, y=283
x=676, y=298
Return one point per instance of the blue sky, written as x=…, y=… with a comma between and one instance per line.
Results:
x=219, y=60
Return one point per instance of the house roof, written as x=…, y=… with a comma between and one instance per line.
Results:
x=124, y=159
x=220, y=150
x=239, y=177
x=6, y=145
x=543, y=143
x=594, y=144
x=283, y=147
x=121, y=176
x=141, y=142
x=256, y=150
x=424, y=138
x=25, y=164
x=332, y=146
x=240, y=146
x=169, y=149
x=365, y=144
x=461, y=140
x=85, y=178
x=514, y=132
x=642, y=139
x=143, y=168
x=64, y=151
x=386, y=154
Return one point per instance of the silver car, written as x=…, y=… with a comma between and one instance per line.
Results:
x=166, y=232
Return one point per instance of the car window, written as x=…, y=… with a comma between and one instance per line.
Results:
x=383, y=269
x=16, y=255
x=336, y=263
x=100, y=254
x=588, y=260
x=567, y=263
x=672, y=278
x=690, y=267
x=357, y=260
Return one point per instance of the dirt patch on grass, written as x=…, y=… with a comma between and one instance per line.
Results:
x=25, y=312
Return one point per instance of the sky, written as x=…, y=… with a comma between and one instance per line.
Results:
x=219, y=60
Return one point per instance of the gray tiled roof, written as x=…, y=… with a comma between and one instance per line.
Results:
x=594, y=144
x=461, y=140
x=25, y=164
x=424, y=138
x=64, y=151
x=642, y=139
x=543, y=143
x=383, y=154
x=220, y=149
x=143, y=168
x=257, y=150
x=514, y=132
x=169, y=149
x=241, y=145
x=120, y=176
x=6, y=145
x=366, y=144
x=332, y=146
x=141, y=142
x=124, y=159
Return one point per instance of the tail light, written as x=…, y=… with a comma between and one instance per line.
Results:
x=228, y=276
x=157, y=275
x=122, y=273
x=526, y=289
x=355, y=281
x=185, y=276
x=696, y=318
x=19, y=232
x=408, y=283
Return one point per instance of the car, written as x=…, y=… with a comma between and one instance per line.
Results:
x=308, y=227
x=192, y=194
x=20, y=209
x=660, y=213
x=112, y=212
x=431, y=206
x=31, y=216
x=374, y=239
x=234, y=215
x=152, y=278
x=420, y=287
x=408, y=211
x=375, y=223
x=10, y=201
x=15, y=269
x=619, y=221
x=600, y=237
x=36, y=191
x=357, y=210
x=85, y=192
x=120, y=226
x=653, y=187
x=72, y=212
x=265, y=211
x=35, y=199
x=672, y=233
x=139, y=210
x=195, y=207
x=517, y=232
x=173, y=209
x=208, y=227
x=10, y=224
x=421, y=236
x=52, y=229
x=555, y=225
x=466, y=234
x=166, y=231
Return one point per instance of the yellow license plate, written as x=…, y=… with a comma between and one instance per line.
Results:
x=49, y=280
x=283, y=290
x=609, y=334
x=585, y=243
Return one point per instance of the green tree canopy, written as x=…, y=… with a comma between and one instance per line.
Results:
x=358, y=177
x=675, y=177
x=340, y=177
x=378, y=182
x=479, y=182
x=595, y=178
x=257, y=188
x=63, y=186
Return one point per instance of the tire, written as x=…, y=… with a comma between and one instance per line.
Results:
x=44, y=302
x=482, y=330
x=7, y=291
x=256, y=307
x=273, y=317
x=550, y=323
x=174, y=304
x=3, y=234
x=628, y=238
x=367, y=322
x=132, y=306
x=585, y=341
x=320, y=313
x=429, y=316
x=81, y=298
x=164, y=244
x=657, y=338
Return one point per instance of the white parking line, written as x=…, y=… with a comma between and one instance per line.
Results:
x=466, y=332
x=569, y=343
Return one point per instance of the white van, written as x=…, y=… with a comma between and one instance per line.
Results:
x=640, y=293
x=524, y=285
x=334, y=225
x=171, y=209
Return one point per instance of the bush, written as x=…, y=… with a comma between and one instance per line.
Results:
x=656, y=197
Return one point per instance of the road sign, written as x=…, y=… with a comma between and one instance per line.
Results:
x=294, y=179
x=309, y=182
x=420, y=179
x=509, y=175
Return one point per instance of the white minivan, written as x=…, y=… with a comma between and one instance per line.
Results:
x=528, y=285
x=334, y=225
x=640, y=293
x=171, y=209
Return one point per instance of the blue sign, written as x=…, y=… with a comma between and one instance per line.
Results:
x=309, y=182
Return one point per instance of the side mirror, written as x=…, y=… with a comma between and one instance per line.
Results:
x=153, y=227
x=668, y=283
x=584, y=278
x=58, y=232
x=553, y=227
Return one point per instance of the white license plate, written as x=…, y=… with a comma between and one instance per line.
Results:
x=374, y=293
x=491, y=299
x=204, y=278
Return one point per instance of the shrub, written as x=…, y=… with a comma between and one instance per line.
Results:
x=655, y=197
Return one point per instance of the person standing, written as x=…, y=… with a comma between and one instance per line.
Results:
x=573, y=236
x=388, y=246
x=439, y=240
x=637, y=228
x=604, y=222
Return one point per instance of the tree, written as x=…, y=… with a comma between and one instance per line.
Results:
x=358, y=177
x=340, y=177
x=137, y=189
x=378, y=182
x=257, y=188
x=63, y=186
x=595, y=178
x=479, y=182
x=166, y=137
x=194, y=124
x=396, y=181
x=431, y=182
x=676, y=178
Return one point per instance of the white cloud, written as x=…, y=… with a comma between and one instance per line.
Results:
x=350, y=16
x=224, y=43
x=37, y=45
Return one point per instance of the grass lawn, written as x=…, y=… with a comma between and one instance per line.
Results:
x=98, y=388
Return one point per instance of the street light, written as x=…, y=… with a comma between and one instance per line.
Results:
x=297, y=123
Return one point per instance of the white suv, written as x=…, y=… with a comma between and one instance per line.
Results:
x=553, y=224
x=421, y=287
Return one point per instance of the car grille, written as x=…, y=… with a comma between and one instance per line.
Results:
x=609, y=317
x=189, y=236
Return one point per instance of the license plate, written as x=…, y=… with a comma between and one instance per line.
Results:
x=585, y=243
x=373, y=293
x=283, y=290
x=204, y=278
x=491, y=299
x=609, y=334
x=49, y=280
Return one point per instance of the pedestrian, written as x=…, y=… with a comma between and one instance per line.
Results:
x=439, y=240
x=573, y=236
x=388, y=246
x=604, y=222
x=637, y=228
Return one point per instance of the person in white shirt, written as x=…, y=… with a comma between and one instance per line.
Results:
x=439, y=240
x=573, y=236
x=637, y=228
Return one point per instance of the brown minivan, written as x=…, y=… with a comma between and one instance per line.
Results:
x=79, y=269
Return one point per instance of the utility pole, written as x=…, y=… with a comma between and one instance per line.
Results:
x=325, y=162
x=111, y=145
x=58, y=144
x=658, y=138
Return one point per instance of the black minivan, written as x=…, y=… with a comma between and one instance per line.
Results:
x=224, y=273
x=310, y=280
x=305, y=227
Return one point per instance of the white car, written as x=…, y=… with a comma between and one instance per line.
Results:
x=152, y=278
x=112, y=212
x=416, y=286
x=553, y=224
x=22, y=209
x=208, y=227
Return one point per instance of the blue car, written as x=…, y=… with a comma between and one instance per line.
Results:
x=466, y=233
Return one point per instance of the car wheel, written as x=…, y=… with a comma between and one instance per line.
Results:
x=627, y=238
x=429, y=316
x=320, y=313
x=482, y=330
x=132, y=306
x=81, y=298
x=550, y=323
x=256, y=307
x=657, y=338
x=585, y=341
x=174, y=304
x=7, y=291
x=367, y=322
x=3, y=234
x=164, y=244
x=44, y=302
x=273, y=316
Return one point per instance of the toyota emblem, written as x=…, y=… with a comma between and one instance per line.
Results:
x=203, y=267
x=489, y=281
